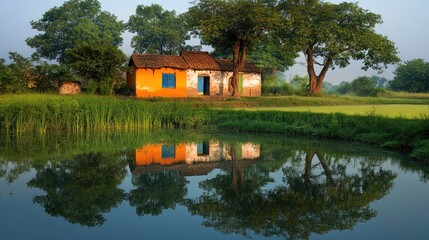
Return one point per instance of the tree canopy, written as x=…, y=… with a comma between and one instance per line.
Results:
x=99, y=63
x=75, y=22
x=331, y=35
x=233, y=25
x=158, y=31
x=411, y=76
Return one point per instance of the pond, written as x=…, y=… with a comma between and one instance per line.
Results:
x=188, y=185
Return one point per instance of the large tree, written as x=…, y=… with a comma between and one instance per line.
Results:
x=101, y=64
x=411, y=76
x=330, y=35
x=233, y=25
x=73, y=23
x=158, y=31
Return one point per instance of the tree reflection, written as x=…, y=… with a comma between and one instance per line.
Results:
x=81, y=189
x=155, y=192
x=316, y=197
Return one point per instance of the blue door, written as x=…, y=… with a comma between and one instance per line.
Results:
x=204, y=85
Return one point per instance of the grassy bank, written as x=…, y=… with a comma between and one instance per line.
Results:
x=46, y=114
x=50, y=113
x=408, y=111
x=408, y=135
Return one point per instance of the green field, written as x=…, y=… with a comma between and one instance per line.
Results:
x=409, y=111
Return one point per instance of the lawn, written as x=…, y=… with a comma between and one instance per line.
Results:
x=408, y=111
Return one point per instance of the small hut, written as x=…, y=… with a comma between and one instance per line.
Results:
x=70, y=88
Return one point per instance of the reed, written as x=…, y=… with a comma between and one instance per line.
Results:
x=48, y=113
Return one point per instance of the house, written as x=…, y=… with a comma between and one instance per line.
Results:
x=191, y=74
x=70, y=88
x=194, y=158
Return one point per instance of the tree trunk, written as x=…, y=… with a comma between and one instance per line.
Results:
x=235, y=72
x=308, y=165
x=239, y=59
x=326, y=169
x=315, y=81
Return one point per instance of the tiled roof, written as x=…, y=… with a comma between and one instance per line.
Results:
x=188, y=60
x=195, y=169
x=200, y=60
x=158, y=61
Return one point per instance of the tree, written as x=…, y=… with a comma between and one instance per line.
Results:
x=267, y=54
x=363, y=86
x=411, y=76
x=331, y=35
x=344, y=88
x=99, y=63
x=46, y=77
x=73, y=23
x=158, y=31
x=16, y=76
x=233, y=25
x=380, y=82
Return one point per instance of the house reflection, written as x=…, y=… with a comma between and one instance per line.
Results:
x=196, y=158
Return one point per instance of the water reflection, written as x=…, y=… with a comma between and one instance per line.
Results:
x=318, y=197
x=266, y=186
x=80, y=189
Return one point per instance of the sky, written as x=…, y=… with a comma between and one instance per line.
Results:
x=404, y=23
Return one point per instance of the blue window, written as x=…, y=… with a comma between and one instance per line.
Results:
x=168, y=151
x=168, y=80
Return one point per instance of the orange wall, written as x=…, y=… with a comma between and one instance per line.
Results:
x=150, y=154
x=148, y=83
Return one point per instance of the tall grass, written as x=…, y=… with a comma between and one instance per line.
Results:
x=49, y=113
x=408, y=135
x=393, y=94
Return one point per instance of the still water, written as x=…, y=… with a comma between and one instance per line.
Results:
x=186, y=185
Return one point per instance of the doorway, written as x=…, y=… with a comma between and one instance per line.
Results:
x=204, y=86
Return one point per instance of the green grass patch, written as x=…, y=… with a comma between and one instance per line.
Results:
x=408, y=111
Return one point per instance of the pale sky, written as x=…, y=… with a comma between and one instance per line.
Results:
x=405, y=23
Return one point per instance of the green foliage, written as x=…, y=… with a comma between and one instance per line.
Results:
x=15, y=77
x=86, y=187
x=99, y=63
x=380, y=82
x=48, y=76
x=155, y=192
x=23, y=75
x=45, y=114
x=363, y=86
x=300, y=85
x=369, y=129
x=275, y=85
x=411, y=76
x=75, y=22
x=233, y=25
x=331, y=34
x=158, y=31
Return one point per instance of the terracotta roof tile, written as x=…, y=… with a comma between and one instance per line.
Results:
x=158, y=61
x=200, y=60
x=188, y=60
